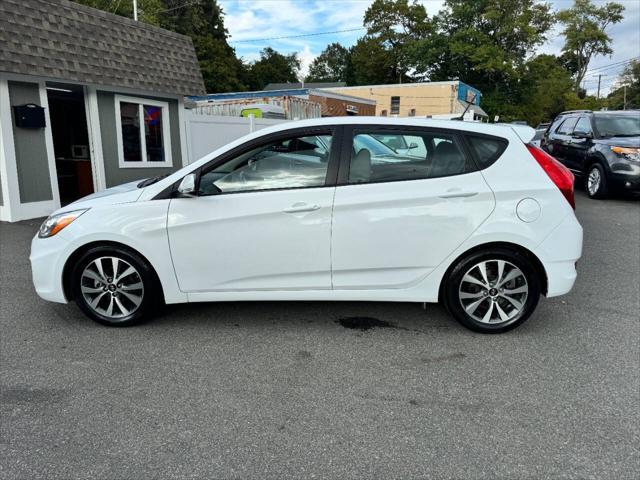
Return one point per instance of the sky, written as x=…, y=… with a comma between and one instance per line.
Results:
x=250, y=22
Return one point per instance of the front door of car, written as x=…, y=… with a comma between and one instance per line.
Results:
x=261, y=219
x=397, y=215
x=579, y=145
x=561, y=139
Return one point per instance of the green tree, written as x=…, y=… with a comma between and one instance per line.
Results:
x=332, y=65
x=394, y=25
x=542, y=89
x=628, y=88
x=484, y=43
x=203, y=21
x=372, y=64
x=148, y=10
x=274, y=67
x=585, y=33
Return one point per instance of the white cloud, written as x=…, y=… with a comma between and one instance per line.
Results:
x=306, y=57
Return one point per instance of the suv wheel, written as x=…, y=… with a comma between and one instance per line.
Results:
x=114, y=286
x=492, y=291
x=596, y=182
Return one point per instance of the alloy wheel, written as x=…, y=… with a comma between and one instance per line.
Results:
x=112, y=287
x=493, y=292
x=593, y=182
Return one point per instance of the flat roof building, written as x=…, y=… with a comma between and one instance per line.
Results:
x=422, y=99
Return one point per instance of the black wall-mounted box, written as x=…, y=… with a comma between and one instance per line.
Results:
x=29, y=115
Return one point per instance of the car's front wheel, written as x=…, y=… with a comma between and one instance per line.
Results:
x=492, y=291
x=596, y=182
x=115, y=286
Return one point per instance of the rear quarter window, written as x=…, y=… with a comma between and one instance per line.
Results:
x=486, y=150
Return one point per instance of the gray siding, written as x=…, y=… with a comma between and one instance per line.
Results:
x=31, y=151
x=114, y=175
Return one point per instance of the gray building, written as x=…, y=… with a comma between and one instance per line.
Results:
x=88, y=100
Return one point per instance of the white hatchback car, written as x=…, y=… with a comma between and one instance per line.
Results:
x=468, y=214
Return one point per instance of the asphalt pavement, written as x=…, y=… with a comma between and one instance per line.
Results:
x=284, y=390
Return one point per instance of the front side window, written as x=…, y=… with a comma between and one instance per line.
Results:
x=295, y=162
x=417, y=156
x=142, y=133
x=583, y=126
x=567, y=126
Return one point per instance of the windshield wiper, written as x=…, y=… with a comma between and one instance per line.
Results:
x=151, y=181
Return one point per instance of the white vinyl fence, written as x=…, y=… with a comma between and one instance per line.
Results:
x=206, y=133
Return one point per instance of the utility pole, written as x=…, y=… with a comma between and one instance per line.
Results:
x=599, y=77
x=624, y=102
x=135, y=10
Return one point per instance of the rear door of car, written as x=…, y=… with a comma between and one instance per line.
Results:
x=397, y=216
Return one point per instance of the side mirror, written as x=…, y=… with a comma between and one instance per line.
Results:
x=187, y=187
x=413, y=145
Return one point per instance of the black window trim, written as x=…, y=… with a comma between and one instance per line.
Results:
x=347, y=142
x=336, y=132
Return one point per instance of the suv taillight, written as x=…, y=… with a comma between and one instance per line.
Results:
x=558, y=173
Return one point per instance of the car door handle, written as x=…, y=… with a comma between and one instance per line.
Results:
x=458, y=194
x=301, y=207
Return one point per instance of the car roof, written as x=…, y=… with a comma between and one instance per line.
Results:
x=497, y=129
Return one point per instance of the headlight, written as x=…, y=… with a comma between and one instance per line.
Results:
x=55, y=223
x=626, y=152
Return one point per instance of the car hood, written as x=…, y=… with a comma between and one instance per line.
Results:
x=619, y=141
x=125, y=193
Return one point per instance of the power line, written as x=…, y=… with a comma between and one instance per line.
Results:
x=612, y=65
x=177, y=7
x=297, y=36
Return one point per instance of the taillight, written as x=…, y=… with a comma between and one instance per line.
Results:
x=558, y=173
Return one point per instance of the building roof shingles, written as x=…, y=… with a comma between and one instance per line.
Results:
x=63, y=40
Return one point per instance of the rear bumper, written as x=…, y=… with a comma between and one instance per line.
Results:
x=559, y=253
x=46, y=259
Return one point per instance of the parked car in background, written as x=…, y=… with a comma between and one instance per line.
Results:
x=602, y=148
x=538, y=136
x=323, y=210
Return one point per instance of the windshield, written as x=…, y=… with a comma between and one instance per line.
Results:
x=618, y=125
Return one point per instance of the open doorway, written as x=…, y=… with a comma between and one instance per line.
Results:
x=70, y=140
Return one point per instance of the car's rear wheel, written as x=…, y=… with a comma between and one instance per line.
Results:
x=115, y=286
x=492, y=291
x=596, y=182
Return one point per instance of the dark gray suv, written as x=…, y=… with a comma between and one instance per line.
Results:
x=602, y=148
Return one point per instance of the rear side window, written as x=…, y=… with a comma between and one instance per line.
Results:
x=486, y=150
x=379, y=156
x=567, y=126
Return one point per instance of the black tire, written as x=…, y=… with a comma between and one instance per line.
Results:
x=150, y=293
x=602, y=190
x=454, y=287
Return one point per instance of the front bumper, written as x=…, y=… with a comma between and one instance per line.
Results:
x=626, y=183
x=625, y=176
x=47, y=263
